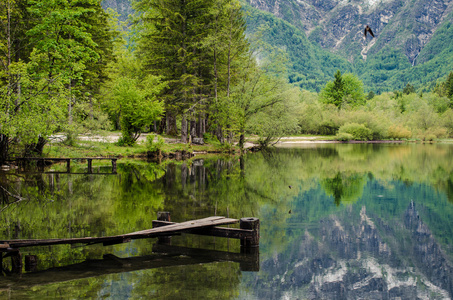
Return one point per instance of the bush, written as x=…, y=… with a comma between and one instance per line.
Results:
x=438, y=132
x=399, y=132
x=344, y=137
x=152, y=145
x=211, y=139
x=359, y=132
x=327, y=128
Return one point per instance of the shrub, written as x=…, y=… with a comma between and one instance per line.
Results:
x=344, y=137
x=152, y=145
x=327, y=127
x=399, y=132
x=210, y=139
x=359, y=131
x=438, y=132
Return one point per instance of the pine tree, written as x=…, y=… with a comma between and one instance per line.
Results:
x=189, y=44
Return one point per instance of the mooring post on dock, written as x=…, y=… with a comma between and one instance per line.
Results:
x=164, y=216
x=250, y=243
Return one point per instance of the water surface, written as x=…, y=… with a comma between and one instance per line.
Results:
x=338, y=221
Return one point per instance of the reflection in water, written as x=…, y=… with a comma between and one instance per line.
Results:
x=367, y=221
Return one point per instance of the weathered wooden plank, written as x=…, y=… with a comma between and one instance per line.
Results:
x=149, y=233
x=233, y=233
x=206, y=222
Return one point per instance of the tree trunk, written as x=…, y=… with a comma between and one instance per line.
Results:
x=184, y=130
x=241, y=141
x=171, y=124
x=193, y=131
x=4, y=148
x=163, y=124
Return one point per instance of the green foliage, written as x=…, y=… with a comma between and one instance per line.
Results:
x=54, y=60
x=277, y=120
x=398, y=132
x=359, y=132
x=154, y=142
x=210, y=139
x=408, y=89
x=344, y=137
x=346, y=90
x=309, y=66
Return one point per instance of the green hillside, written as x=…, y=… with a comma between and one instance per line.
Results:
x=386, y=68
x=310, y=67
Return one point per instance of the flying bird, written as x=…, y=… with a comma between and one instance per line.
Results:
x=368, y=29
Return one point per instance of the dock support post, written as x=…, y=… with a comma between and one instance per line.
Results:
x=252, y=241
x=164, y=216
x=16, y=262
x=90, y=164
x=41, y=165
x=113, y=165
x=31, y=263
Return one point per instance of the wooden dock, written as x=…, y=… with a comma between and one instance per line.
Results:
x=248, y=233
x=42, y=162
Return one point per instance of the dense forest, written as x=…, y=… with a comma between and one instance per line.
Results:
x=191, y=71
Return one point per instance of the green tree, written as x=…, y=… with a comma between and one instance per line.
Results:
x=258, y=94
x=71, y=42
x=408, y=89
x=194, y=45
x=449, y=87
x=28, y=113
x=346, y=89
x=169, y=45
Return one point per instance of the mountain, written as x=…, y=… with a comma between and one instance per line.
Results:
x=413, y=38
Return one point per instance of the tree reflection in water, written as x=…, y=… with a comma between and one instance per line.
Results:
x=353, y=231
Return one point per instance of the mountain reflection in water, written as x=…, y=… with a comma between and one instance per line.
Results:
x=366, y=222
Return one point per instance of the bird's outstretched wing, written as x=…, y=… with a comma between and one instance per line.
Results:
x=368, y=29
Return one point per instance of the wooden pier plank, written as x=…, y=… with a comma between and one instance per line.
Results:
x=149, y=233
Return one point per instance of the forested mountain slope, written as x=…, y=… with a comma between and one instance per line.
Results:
x=413, y=39
x=412, y=44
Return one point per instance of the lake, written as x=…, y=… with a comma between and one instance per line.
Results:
x=338, y=221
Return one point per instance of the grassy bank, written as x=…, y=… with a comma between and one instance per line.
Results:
x=105, y=149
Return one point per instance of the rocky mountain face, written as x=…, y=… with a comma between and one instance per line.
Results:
x=367, y=262
x=338, y=25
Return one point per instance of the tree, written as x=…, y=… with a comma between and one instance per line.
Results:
x=138, y=106
x=27, y=113
x=275, y=121
x=71, y=42
x=346, y=89
x=449, y=87
x=130, y=95
x=258, y=94
x=49, y=59
x=408, y=89
x=194, y=45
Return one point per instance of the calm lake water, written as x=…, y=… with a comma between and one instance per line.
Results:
x=338, y=221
